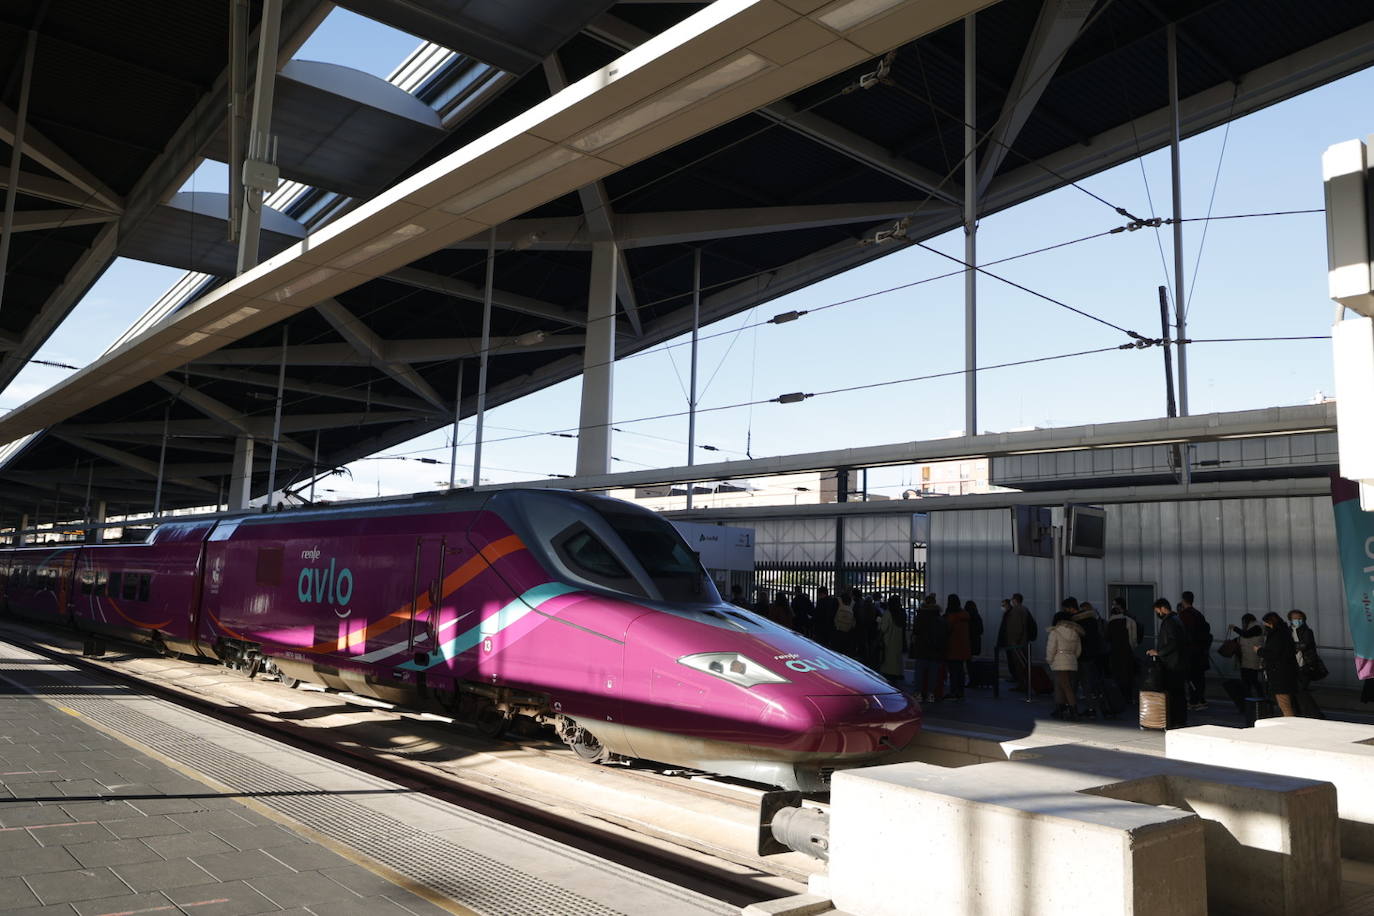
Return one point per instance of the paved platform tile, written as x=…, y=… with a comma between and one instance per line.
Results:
x=247, y=863
x=159, y=876
x=186, y=845
x=302, y=889
x=232, y=898
x=14, y=893
x=72, y=886
x=113, y=852
x=18, y=863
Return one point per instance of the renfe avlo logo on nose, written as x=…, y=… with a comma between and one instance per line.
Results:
x=324, y=584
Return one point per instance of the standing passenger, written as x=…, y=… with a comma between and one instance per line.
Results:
x=1123, y=635
x=1280, y=657
x=780, y=611
x=957, y=648
x=1310, y=666
x=1065, y=642
x=1171, y=650
x=890, y=626
x=928, y=649
x=1015, y=635
x=802, y=612
x=1199, y=636
x=975, y=629
x=844, y=623
x=824, y=626
x=1250, y=637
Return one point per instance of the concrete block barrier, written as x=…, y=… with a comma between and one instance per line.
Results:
x=1060, y=825
x=1341, y=753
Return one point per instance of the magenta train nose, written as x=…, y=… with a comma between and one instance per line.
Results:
x=581, y=612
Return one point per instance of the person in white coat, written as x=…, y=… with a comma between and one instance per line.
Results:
x=1064, y=646
x=891, y=630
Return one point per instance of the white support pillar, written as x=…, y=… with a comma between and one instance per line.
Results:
x=1180, y=307
x=241, y=477
x=98, y=516
x=457, y=420
x=970, y=226
x=692, y=396
x=162, y=462
x=276, y=420
x=237, y=122
x=256, y=169
x=21, y=536
x=598, y=370
x=484, y=359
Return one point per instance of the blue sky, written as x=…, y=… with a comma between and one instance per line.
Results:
x=1255, y=277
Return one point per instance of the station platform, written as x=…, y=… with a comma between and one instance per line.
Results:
x=115, y=802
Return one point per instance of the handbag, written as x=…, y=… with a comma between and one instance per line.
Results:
x=1229, y=648
x=1316, y=669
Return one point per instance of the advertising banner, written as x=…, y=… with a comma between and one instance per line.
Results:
x=1355, y=541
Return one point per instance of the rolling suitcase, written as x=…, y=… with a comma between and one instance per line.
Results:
x=1154, y=710
x=1040, y=679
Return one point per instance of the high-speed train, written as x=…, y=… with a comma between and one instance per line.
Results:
x=582, y=612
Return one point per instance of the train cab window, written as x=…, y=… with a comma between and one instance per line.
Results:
x=674, y=567
x=87, y=582
x=584, y=552
x=129, y=591
x=100, y=579
x=145, y=586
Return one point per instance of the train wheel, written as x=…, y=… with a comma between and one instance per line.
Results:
x=288, y=682
x=492, y=722
x=159, y=647
x=586, y=746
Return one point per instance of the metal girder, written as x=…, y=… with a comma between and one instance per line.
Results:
x=264, y=380
x=259, y=427
x=558, y=233
x=217, y=410
x=53, y=189
x=511, y=302
x=622, y=35
x=45, y=220
x=1056, y=29
x=365, y=341
x=142, y=465
x=53, y=158
x=168, y=172
x=641, y=230
x=395, y=351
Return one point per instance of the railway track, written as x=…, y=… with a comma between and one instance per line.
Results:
x=642, y=819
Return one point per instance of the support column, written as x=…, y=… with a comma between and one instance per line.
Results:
x=241, y=477
x=1180, y=307
x=16, y=157
x=161, y=462
x=236, y=122
x=485, y=358
x=21, y=536
x=276, y=420
x=98, y=517
x=259, y=135
x=970, y=226
x=841, y=496
x=457, y=419
x=598, y=370
x=692, y=396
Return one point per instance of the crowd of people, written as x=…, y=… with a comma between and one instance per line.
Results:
x=1096, y=665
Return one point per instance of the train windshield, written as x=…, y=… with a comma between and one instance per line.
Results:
x=605, y=543
x=660, y=550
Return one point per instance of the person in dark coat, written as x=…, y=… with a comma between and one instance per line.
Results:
x=823, y=623
x=958, y=650
x=1123, y=635
x=1280, y=657
x=928, y=650
x=1171, y=648
x=802, y=612
x=975, y=628
x=1199, y=650
x=780, y=611
x=1015, y=635
x=1305, y=644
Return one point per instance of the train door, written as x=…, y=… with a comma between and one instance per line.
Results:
x=432, y=559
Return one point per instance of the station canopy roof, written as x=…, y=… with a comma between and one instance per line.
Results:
x=779, y=137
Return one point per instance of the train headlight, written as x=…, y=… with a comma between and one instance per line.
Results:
x=732, y=667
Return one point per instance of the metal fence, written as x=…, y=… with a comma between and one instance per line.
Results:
x=908, y=580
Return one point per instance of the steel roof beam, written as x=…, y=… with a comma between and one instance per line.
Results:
x=511, y=302
x=396, y=351
x=217, y=410
x=641, y=230
x=258, y=427
x=622, y=35
x=1056, y=28
x=142, y=465
x=53, y=189
x=366, y=342
x=266, y=380
x=47, y=220
x=53, y=158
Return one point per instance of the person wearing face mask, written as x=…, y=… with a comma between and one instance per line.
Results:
x=1171, y=651
x=1310, y=666
x=1280, y=657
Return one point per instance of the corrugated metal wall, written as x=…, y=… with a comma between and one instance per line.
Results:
x=1238, y=555
x=868, y=539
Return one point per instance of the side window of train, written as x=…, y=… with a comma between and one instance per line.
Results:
x=129, y=589
x=269, y=565
x=87, y=581
x=114, y=585
x=589, y=557
x=145, y=586
x=101, y=577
